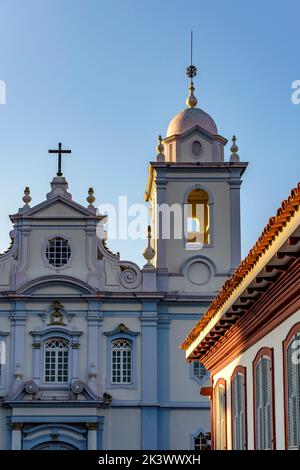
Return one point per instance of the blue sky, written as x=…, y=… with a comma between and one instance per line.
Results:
x=105, y=78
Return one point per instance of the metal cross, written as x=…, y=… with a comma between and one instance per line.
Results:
x=59, y=151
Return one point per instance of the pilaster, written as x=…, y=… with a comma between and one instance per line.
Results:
x=235, y=218
x=94, y=334
x=149, y=375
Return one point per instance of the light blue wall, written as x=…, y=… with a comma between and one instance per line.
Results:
x=149, y=375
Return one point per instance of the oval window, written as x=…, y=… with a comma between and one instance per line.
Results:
x=58, y=252
x=196, y=148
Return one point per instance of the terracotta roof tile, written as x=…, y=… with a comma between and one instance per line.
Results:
x=270, y=232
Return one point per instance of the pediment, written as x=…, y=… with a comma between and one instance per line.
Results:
x=58, y=207
x=78, y=392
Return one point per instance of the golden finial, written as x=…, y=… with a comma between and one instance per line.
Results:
x=191, y=72
x=234, y=149
x=160, y=157
x=91, y=198
x=26, y=197
x=191, y=99
x=149, y=252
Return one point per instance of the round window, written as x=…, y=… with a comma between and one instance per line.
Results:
x=58, y=252
x=196, y=148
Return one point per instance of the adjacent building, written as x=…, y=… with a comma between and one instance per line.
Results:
x=249, y=339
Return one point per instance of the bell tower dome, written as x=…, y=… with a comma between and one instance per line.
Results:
x=194, y=197
x=192, y=134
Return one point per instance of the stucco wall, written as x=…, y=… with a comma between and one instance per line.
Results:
x=272, y=340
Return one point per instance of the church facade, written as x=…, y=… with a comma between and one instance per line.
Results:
x=89, y=343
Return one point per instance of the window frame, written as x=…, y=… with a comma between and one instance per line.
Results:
x=220, y=382
x=264, y=352
x=195, y=435
x=110, y=337
x=44, y=249
x=56, y=382
x=285, y=345
x=39, y=337
x=112, y=350
x=197, y=379
x=239, y=370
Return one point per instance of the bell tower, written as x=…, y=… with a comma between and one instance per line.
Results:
x=194, y=197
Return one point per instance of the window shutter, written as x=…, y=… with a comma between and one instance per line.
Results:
x=263, y=390
x=293, y=398
x=259, y=430
x=241, y=408
x=219, y=418
x=267, y=405
x=222, y=416
x=238, y=412
x=235, y=414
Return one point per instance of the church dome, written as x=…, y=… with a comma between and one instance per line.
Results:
x=189, y=118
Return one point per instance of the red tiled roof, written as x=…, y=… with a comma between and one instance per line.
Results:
x=270, y=232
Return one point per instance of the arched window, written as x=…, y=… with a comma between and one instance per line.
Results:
x=197, y=217
x=56, y=360
x=219, y=415
x=121, y=361
x=264, y=400
x=291, y=348
x=238, y=409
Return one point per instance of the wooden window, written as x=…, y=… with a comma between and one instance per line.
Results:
x=219, y=415
x=264, y=413
x=238, y=408
x=291, y=361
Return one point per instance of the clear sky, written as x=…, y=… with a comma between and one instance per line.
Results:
x=106, y=77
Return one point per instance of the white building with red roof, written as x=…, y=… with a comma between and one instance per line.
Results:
x=249, y=339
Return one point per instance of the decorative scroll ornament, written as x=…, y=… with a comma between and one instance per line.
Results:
x=77, y=387
x=31, y=387
x=130, y=276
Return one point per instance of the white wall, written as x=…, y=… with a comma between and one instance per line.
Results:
x=272, y=340
x=122, y=428
x=184, y=423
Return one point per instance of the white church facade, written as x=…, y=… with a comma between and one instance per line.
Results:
x=89, y=343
